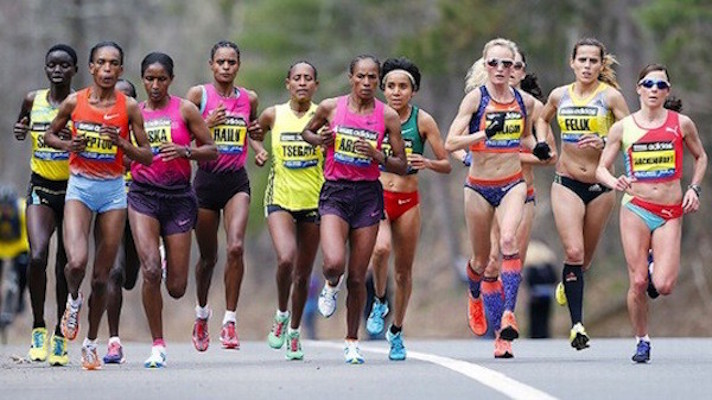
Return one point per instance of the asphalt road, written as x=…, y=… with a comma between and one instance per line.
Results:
x=445, y=369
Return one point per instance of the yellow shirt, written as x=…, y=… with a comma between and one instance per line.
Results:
x=297, y=171
x=578, y=117
x=46, y=161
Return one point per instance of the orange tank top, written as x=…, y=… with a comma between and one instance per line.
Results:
x=101, y=159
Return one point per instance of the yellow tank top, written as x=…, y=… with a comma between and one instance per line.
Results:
x=14, y=246
x=297, y=171
x=46, y=161
x=578, y=117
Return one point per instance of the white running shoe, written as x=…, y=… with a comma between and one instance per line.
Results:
x=327, y=298
x=157, y=358
x=352, y=354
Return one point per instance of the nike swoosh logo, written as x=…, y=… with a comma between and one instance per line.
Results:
x=110, y=116
x=183, y=222
x=666, y=212
x=373, y=214
x=505, y=188
x=401, y=202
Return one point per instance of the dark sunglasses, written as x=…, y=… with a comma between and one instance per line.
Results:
x=518, y=66
x=649, y=83
x=495, y=62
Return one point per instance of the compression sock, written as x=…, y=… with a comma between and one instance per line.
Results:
x=511, y=278
x=572, y=277
x=492, y=296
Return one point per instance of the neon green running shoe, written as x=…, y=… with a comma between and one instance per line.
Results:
x=294, y=346
x=58, y=355
x=561, y=294
x=38, y=345
x=277, y=335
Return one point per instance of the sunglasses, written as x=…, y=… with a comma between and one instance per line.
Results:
x=495, y=62
x=518, y=66
x=649, y=83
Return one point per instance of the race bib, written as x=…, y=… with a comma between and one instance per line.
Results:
x=40, y=150
x=345, y=146
x=99, y=148
x=577, y=121
x=158, y=131
x=230, y=136
x=296, y=153
x=654, y=160
x=509, y=137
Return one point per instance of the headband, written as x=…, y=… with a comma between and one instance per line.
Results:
x=408, y=74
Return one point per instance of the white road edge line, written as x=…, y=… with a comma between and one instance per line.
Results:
x=492, y=379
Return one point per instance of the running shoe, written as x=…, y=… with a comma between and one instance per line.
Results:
x=642, y=352
x=652, y=291
x=201, y=337
x=114, y=353
x=228, y=336
x=327, y=299
x=294, y=346
x=352, y=354
x=38, y=345
x=157, y=358
x=70, y=320
x=502, y=348
x=58, y=355
x=476, y=316
x=397, y=351
x=509, y=330
x=561, y=294
x=578, y=337
x=376, y=319
x=276, y=336
x=90, y=360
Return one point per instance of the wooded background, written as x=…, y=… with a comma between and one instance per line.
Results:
x=444, y=37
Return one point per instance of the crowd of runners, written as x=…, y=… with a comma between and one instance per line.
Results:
x=343, y=179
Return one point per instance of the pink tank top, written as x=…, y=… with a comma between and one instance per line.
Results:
x=165, y=125
x=230, y=137
x=342, y=160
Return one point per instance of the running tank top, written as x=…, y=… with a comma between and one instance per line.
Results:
x=230, y=137
x=653, y=155
x=414, y=143
x=46, y=161
x=342, y=160
x=100, y=159
x=163, y=126
x=508, y=140
x=578, y=117
x=297, y=171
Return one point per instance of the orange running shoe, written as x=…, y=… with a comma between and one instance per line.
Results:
x=502, y=348
x=509, y=330
x=476, y=315
x=90, y=359
x=228, y=336
x=70, y=320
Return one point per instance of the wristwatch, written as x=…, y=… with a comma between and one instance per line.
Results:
x=188, y=152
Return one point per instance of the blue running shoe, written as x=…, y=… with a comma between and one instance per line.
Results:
x=376, y=320
x=642, y=352
x=157, y=358
x=352, y=354
x=397, y=352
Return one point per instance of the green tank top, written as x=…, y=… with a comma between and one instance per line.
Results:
x=411, y=138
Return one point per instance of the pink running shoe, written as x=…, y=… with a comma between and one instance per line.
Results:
x=228, y=336
x=114, y=354
x=201, y=337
